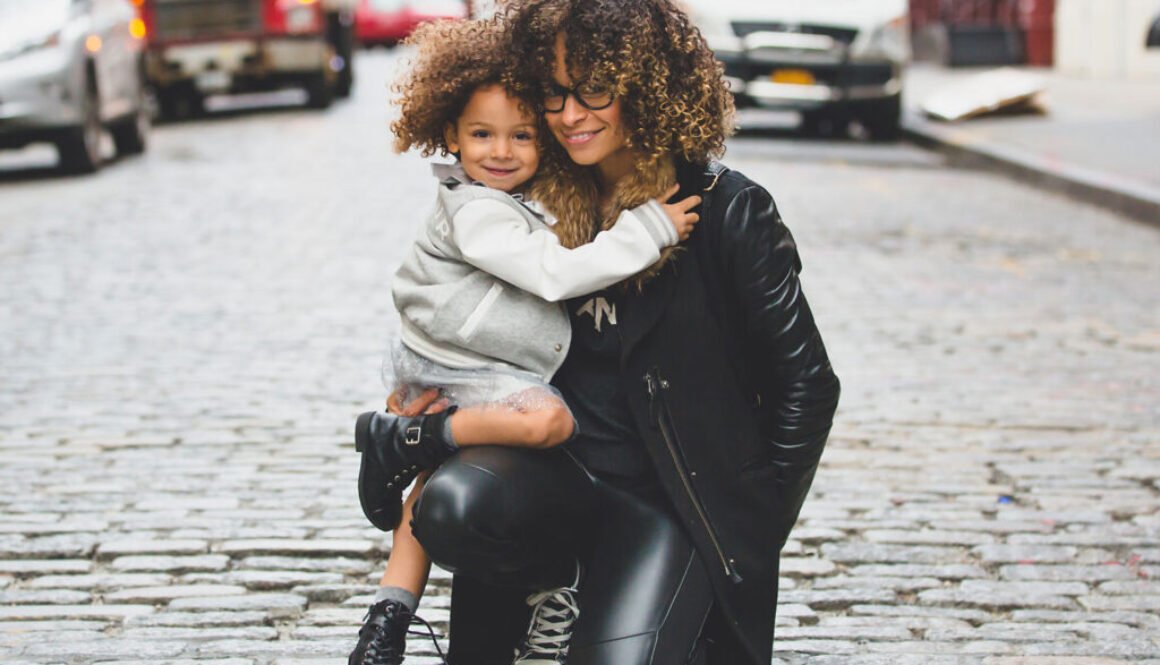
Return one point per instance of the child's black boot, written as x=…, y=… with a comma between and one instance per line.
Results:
x=383, y=638
x=394, y=450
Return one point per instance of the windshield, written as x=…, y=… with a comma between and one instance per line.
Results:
x=27, y=23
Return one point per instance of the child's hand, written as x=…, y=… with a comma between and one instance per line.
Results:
x=679, y=213
x=428, y=402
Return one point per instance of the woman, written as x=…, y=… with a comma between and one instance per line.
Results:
x=702, y=390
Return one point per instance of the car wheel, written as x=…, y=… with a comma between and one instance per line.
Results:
x=882, y=119
x=80, y=147
x=319, y=91
x=131, y=135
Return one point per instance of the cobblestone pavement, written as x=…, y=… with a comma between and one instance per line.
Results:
x=186, y=338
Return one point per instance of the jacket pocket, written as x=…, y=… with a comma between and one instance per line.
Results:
x=480, y=312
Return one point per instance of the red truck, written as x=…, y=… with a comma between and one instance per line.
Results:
x=203, y=47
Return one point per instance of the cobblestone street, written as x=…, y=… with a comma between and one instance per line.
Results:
x=186, y=338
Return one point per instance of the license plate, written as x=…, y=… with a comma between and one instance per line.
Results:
x=212, y=81
x=793, y=77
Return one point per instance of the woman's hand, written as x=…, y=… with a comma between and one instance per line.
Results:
x=428, y=402
x=683, y=220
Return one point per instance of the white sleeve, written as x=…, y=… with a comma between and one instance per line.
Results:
x=495, y=238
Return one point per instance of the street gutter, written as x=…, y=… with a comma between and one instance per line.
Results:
x=1133, y=199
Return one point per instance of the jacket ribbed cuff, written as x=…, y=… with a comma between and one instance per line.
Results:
x=657, y=223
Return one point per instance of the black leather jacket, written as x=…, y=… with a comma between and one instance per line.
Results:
x=733, y=393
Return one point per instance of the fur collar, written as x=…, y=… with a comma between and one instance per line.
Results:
x=572, y=195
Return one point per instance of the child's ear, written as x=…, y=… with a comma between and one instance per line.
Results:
x=451, y=137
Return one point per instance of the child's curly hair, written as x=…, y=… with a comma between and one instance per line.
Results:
x=674, y=99
x=452, y=60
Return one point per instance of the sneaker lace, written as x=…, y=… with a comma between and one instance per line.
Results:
x=553, y=613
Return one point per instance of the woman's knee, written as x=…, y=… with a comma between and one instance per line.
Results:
x=457, y=514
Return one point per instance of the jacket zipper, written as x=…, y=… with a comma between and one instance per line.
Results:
x=655, y=383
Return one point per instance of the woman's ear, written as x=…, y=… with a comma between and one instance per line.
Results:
x=451, y=138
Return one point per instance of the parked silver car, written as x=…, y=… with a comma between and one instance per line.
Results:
x=831, y=60
x=69, y=69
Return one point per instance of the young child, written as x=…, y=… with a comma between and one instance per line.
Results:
x=479, y=297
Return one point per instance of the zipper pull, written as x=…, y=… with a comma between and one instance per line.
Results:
x=734, y=576
x=652, y=386
x=655, y=382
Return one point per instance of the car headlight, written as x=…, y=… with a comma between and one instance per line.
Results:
x=891, y=40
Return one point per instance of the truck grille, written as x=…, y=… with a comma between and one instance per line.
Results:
x=189, y=19
x=840, y=35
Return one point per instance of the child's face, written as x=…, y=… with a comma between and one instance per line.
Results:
x=496, y=140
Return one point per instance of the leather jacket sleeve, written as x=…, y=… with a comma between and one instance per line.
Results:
x=797, y=388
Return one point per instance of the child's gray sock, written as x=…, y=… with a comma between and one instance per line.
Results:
x=397, y=594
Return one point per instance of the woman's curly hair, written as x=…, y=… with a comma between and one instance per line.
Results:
x=674, y=99
x=452, y=60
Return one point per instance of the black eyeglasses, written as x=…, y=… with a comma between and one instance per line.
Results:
x=592, y=96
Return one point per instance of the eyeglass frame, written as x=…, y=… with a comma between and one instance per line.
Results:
x=565, y=92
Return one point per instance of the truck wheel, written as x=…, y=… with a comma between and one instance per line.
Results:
x=882, y=119
x=80, y=147
x=345, y=82
x=340, y=37
x=319, y=91
x=131, y=134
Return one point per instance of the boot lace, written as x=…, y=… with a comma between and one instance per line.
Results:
x=435, y=637
x=553, y=613
x=382, y=650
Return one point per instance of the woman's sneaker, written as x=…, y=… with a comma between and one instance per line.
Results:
x=554, y=612
x=383, y=637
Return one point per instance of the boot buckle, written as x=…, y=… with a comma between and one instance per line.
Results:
x=412, y=435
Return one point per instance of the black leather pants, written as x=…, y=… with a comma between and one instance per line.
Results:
x=509, y=521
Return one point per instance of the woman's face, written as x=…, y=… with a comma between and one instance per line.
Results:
x=591, y=138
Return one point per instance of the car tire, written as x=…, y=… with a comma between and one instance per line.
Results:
x=80, y=147
x=131, y=135
x=319, y=91
x=883, y=119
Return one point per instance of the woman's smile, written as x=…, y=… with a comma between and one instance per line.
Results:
x=579, y=138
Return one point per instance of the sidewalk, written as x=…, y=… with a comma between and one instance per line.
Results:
x=1099, y=140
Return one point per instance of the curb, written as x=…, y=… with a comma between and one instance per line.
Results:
x=1135, y=200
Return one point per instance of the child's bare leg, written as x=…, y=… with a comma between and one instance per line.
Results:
x=383, y=637
x=408, y=565
x=548, y=425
